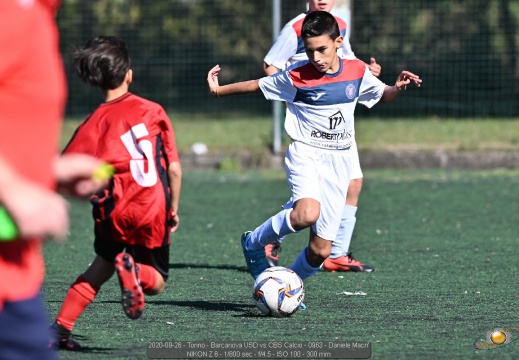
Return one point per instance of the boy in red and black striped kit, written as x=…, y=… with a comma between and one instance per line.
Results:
x=139, y=209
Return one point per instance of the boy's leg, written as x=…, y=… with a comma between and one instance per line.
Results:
x=303, y=214
x=271, y=230
x=132, y=295
x=80, y=294
x=253, y=243
x=140, y=271
x=340, y=259
x=310, y=259
x=153, y=267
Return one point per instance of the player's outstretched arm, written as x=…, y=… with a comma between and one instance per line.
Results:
x=216, y=90
x=374, y=67
x=402, y=82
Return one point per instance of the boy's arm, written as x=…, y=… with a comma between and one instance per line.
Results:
x=33, y=210
x=81, y=174
x=175, y=182
x=269, y=69
x=404, y=79
x=243, y=87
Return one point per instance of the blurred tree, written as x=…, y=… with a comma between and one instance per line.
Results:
x=466, y=50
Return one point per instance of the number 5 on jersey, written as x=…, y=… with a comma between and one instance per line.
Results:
x=142, y=154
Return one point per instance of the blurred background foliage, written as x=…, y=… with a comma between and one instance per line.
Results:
x=464, y=50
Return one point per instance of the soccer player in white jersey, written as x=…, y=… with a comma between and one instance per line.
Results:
x=321, y=94
x=287, y=50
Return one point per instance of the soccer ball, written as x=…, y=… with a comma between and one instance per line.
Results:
x=278, y=292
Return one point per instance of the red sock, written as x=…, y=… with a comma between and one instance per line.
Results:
x=79, y=296
x=148, y=277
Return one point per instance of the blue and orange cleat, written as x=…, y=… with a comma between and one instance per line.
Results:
x=256, y=259
x=346, y=263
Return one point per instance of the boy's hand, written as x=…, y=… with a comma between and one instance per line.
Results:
x=81, y=174
x=374, y=67
x=36, y=211
x=405, y=78
x=212, y=80
x=175, y=220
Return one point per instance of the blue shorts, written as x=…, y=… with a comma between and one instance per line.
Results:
x=24, y=331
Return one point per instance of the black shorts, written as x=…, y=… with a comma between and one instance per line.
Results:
x=107, y=248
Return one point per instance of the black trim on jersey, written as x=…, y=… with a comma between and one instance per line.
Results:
x=160, y=153
x=103, y=204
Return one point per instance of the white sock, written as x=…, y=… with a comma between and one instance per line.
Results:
x=341, y=245
x=301, y=266
x=271, y=230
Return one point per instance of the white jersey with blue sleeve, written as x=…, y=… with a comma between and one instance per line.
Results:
x=320, y=106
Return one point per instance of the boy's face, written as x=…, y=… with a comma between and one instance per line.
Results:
x=322, y=52
x=322, y=5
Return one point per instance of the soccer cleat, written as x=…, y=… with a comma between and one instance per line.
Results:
x=132, y=296
x=255, y=259
x=345, y=263
x=302, y=307
x=61, y=339
x=272, y=253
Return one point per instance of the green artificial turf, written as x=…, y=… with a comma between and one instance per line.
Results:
x=444, y=245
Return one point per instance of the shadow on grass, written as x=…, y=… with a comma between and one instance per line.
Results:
x=206, y=305
x=205, y=266
x=89, y=349
x=245, y=309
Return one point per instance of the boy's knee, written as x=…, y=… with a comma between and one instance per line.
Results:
x=157, y=289
x=354, y=190
x=303, y=217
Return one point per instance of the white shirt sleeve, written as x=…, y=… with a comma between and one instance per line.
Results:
x=283, y=48
x=278, y=87
x=371, y=89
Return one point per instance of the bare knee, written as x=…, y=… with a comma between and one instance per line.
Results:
x=158, y=288
x=305, y=214
x=354, y=189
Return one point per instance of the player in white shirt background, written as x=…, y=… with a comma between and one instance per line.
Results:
x=317, y=161
x=287, y=50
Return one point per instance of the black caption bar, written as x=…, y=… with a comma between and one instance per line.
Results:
x=259, y=350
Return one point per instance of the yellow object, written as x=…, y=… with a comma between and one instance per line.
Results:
x=498, y=337
x=105, y=171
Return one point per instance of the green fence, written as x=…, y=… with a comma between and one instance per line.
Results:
x=465, y=51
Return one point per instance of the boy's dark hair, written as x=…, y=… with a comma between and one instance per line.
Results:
x=103, y=62
x=318, y=23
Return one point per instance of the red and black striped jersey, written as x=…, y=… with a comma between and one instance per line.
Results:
x=135, y=135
